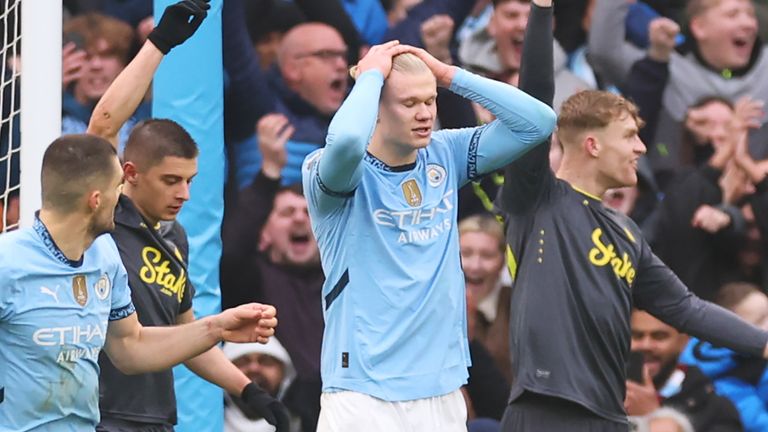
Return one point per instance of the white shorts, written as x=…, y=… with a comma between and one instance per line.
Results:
x=349, y=411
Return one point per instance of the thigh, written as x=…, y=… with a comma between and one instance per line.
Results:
x=446, y=413
x=348, y=411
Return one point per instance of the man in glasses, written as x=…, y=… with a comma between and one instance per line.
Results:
x=308, y=85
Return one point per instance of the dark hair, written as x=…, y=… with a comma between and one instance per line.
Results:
x=498, y=2
x=74, y=165
x=153, y=140
x=296, y=188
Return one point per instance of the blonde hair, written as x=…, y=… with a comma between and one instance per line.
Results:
x=592, y=109
x=406, y=63
x=484, y=224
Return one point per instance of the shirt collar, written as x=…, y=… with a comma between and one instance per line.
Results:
x=51, y=245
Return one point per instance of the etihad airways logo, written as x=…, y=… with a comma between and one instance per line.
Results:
x=605, y=254
x=157, y=270
x=413, y=217
x=419, y=225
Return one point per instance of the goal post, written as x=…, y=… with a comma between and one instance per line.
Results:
x=41, y=26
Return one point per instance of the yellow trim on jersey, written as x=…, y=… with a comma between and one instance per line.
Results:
x=629, y=235
x=581, y=191
x=511, y=263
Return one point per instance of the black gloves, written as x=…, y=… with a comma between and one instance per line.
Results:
x=265, y=405
x=179, y=22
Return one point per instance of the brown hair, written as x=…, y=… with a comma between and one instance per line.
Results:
x=72, y=166
x=153, y=140
x=93, y=27
x=592, y=109
x=731, y=294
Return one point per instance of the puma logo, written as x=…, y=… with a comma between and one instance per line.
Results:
x=48, y=291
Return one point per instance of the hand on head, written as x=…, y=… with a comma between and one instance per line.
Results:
x=380, y=57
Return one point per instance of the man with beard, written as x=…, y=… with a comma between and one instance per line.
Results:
x=270, y=255
x=268, y=365
x=64, y=296
x=160, y=160
x=669, y=384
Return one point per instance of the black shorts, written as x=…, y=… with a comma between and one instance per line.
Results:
x=532, y=412
x=117, y=425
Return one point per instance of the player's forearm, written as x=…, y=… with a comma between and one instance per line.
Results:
x=215, y=367
x=152, y=349
x=125, y=94
x=349, y=132
x=521, y=120
x=719, y=326
x=529, y=119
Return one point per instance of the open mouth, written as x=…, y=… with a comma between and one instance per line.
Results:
x=338, y=85
x=299, y=239
x=422, y=132
x=473, y=280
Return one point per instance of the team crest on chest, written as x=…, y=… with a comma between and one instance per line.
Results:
x=102, y=286
x=412, y=193
x=80, y=290
x=435, y=175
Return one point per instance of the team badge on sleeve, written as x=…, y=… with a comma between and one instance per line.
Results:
x=102, y=287
x=80, y=290
x=412, y=193
x=435, y=175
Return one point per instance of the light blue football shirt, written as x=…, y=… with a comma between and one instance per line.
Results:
x=394, y=295
x=53, y=323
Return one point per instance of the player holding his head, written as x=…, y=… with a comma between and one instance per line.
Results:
x=382, y=199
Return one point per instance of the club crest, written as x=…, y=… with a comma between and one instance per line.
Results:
x=102, y=287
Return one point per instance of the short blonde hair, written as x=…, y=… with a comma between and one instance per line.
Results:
x=592, y=109
x=405, y=63
x=484, y=224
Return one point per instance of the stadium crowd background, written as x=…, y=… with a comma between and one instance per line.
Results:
x=696, y=69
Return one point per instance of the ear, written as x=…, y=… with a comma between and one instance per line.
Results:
x=697, y=28
x=130, y=173
x=94, y=200
x=491, y=28
x=591, y=146
x=291, y=71
x=265, y=240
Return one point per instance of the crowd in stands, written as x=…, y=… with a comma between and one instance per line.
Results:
x=697, y=69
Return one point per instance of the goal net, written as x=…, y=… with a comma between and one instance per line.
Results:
x=10, y=122
x=30, y=102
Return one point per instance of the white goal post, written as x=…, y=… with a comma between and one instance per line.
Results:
x=41, y=27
